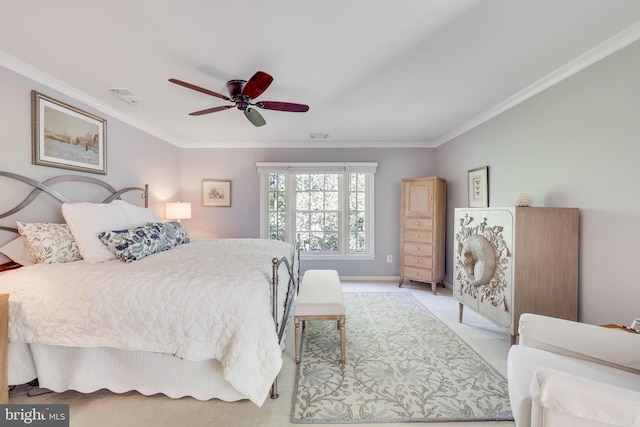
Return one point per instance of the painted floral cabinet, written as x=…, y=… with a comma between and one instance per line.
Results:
x=509, y=261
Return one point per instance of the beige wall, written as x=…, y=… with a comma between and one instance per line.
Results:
x=576, y=144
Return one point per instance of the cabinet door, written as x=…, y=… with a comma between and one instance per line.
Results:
x=483, y=277
x=418, y=198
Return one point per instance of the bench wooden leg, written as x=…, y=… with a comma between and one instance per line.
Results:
x=341, y=322
x=297, y=338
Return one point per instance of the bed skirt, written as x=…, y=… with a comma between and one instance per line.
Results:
x=90, y=369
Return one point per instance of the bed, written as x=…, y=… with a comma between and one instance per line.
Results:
x=139, y=305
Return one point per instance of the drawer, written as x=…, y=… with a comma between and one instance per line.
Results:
x=417, y=248
x=418, y=274
x=418, y=236
x=417, y=261
x=419, y=223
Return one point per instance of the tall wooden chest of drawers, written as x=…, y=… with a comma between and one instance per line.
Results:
x=422, y=233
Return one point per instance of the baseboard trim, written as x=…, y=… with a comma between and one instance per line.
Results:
x=370, y=279
x=395, y=279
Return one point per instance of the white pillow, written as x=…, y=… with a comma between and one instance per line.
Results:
x=86, y=220
x=17, y=251
x=49, y=243
x=138, y=215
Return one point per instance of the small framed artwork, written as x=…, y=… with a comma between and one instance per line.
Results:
x=478, y=187
x=67, y=137
x=216, y=193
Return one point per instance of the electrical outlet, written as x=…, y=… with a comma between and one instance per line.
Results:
x=389, y=258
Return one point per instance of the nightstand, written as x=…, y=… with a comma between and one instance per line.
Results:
x=4, y=338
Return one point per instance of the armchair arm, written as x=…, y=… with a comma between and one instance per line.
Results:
x=605, y=346
x=563, y=399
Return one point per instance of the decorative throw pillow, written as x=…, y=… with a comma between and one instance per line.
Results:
x=49, y=243
x=138, y=215
x=86, y=220
x=17, y=251
x=135, y=243
x=174, y=234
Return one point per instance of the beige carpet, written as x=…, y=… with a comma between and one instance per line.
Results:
x=105, y=409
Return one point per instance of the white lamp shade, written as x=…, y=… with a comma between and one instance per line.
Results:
x=178, y=210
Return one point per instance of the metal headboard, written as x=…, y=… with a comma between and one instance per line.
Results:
x=45, y=187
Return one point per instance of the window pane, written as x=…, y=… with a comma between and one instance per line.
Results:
x=317, y=182
x=332, y=221
x=317, y=221
x=317, y=241
x=316, y=200
x=357, y=242
x=302, y=182
x=331, y=201
x=281, y=202
x=331, y=182
x=302, y=221
x=302, y=201
x=332, y=243
x=360, y=204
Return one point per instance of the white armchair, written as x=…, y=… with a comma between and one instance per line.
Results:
x=565, y=373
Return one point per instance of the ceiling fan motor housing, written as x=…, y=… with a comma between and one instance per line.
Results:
x=235, y=88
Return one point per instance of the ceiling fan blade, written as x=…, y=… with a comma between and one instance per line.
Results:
x=254, y=117
x=282, y=106
x=257, y=84
x=210, y=110
x=199, y=89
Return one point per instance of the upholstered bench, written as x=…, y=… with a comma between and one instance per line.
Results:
x=320, y=298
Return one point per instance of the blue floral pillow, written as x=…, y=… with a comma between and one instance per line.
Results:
x=135, y=243
x=175, y=234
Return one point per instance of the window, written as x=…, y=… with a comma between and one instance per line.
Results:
x=326, y=208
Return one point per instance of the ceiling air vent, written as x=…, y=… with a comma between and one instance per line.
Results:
x=126, y=95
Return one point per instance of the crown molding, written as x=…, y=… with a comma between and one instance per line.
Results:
x=30, y=72
x=621, y=40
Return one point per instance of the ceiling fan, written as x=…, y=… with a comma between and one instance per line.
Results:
x=242, y=93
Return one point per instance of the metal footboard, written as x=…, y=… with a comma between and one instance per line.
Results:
x=293, y=269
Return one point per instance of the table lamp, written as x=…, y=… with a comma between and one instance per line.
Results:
x=177, y=210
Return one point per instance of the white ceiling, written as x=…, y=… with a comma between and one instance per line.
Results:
x=374, y=72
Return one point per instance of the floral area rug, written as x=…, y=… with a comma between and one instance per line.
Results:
x=403, y=365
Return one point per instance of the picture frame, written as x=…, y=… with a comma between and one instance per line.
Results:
x=216, y=193
x=478, y=187
x=67, y=137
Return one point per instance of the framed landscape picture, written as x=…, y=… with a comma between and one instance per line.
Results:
x=67, y=137
x=216, y=193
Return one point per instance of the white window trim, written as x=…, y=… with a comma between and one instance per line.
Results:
x=313, y=167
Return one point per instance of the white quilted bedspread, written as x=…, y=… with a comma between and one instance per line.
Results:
x=209, y=299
